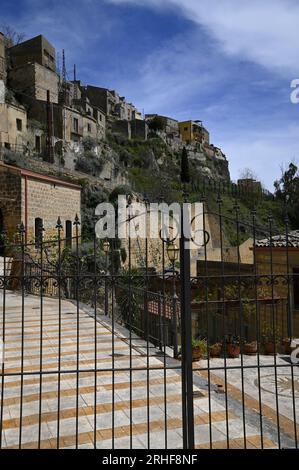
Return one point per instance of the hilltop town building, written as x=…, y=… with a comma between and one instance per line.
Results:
x=113, y=105
x=194, y=131
x=2, y=58
x=13, y=126
x=34, y=80
x=36, y=50
x=171, y=126
x=32, y=69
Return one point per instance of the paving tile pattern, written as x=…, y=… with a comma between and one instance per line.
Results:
x=67, y=383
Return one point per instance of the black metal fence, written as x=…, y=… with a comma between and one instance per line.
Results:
x=101, y=352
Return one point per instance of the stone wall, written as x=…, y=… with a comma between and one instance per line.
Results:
x=37, y=49
x=2, y=58
x=10, y=199
x=9, y=131
x=122, y=127
x=139, y=129
x=34, y=80
x=48, y=201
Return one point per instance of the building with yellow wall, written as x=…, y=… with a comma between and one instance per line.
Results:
x=13, y=126
x=194, y=131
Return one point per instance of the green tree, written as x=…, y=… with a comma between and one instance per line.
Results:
x=185, y=174
x=287, y=190
x=156, y=124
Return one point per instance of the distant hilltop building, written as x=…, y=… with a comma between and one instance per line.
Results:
x=45, y=113
x=194, y=131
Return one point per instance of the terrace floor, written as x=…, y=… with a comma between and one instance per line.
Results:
x=103, y=409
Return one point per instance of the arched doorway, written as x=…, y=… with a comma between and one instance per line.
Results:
x=1, y=233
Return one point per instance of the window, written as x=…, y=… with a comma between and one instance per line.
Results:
x=185, y=129
x=76, y=125
x=19, y=124
x=68, y=233
x=37, y=144
x=89, y=127
x=100, y=117
x=38, y=231
x=296, y=287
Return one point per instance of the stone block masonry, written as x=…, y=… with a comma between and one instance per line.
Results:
x=26, y=196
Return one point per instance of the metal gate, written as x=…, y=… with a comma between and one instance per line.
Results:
x=99, y=347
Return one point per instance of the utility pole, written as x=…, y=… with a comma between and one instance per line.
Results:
x=50, y=153
x=63, y=78
x=75, y=84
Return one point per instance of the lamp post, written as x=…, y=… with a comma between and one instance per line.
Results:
x=173, y=254
x=106, y=248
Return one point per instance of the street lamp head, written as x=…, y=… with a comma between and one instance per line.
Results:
x=106, y=247
x=172, y=252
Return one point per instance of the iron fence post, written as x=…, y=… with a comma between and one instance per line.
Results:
x=186, y=329
x=175, y=327
x=160, y=321
x=106, y=287
x=174, y=315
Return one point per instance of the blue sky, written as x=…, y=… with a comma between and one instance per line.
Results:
x=229, y=63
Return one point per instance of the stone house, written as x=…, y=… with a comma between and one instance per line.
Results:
x=2, y=57
x=81, y=102
x=35, y=50
x=113, y=105
x=32, y=69
x=13, y=126
x=194, y=131
x=37, y=200
x=250, y=185
x=171, y=126
x=134, y=129
x=69, y=125
x=34, y=80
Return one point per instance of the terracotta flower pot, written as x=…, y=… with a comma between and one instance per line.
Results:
x=250, y=349
x=215, y=350
x=269, y=347
x=233, y=350
x=196, y=354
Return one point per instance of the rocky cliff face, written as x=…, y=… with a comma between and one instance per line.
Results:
x=154, y=166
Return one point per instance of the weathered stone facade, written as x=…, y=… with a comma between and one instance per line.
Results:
x=34, y=80
x=10, y=198
x=135, y=129
x=37, y=50
x=13, y=126
x=2, y=58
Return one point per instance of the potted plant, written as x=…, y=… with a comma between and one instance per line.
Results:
x=270, y=341
x=215, y=350
x=250, y=348
x=233, y=348
x=199, y=349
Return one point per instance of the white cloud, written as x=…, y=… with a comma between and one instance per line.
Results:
x=265, y=32
x=265, y=150
x=173, y=74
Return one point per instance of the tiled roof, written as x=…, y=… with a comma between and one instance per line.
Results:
x=280, y=241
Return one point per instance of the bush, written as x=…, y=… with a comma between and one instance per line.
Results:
x=88, y=143
x=89, y=163
x=156, y=124
x=15, y=158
